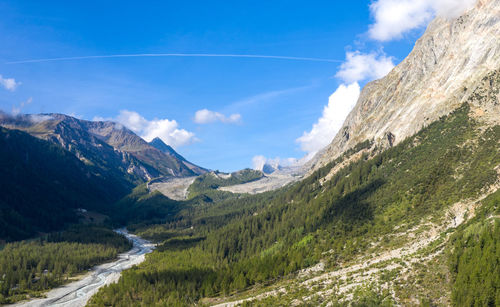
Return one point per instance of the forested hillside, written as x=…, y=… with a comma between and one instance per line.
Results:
x=105, y=145
x=214, y=180
x=31, y=267
x=246, y=243
x=42, y=184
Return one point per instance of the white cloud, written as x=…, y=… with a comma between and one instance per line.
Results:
x=17, y=109
x=393, y=18
x=165, y=129
x=339, y=105
x=452, y=8
x=37, y=118
x=76, y=115
x=101, y=119
x=205, y=116
x=9, y=84
x=258, y=162
x=359, y=66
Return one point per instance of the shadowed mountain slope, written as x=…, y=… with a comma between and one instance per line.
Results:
x=41, y=185
x=106, y=145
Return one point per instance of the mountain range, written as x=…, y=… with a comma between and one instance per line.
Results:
x=401, y=209
x=54, y=164
x=107, y=145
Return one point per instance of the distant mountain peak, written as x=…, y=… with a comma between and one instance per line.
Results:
x=159, y=144
x=107, y=144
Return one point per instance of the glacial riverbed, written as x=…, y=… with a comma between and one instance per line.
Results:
x=77, y=293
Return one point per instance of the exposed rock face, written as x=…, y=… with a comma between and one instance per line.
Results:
x=166, y=149
x=276, y=180
x=485, y=100
x=437, y=77
x=106, y=145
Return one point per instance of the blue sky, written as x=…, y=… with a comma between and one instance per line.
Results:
x=273, y=101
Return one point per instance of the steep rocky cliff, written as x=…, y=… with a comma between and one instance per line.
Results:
x=446, y=65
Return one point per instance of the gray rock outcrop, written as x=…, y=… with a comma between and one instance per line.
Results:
x=436, y=78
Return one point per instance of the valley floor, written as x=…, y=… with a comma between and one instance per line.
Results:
x=79, y=292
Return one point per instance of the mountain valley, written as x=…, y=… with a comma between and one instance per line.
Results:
x=402, y=208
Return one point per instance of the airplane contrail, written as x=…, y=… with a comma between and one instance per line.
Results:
x=256, y=56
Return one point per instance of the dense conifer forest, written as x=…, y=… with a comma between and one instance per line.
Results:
x=218, y=249
x=37, y=172
x=217, y=243
x=31, y=267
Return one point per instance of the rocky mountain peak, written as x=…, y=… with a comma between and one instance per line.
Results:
x=160, y=145
x=106, y=144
